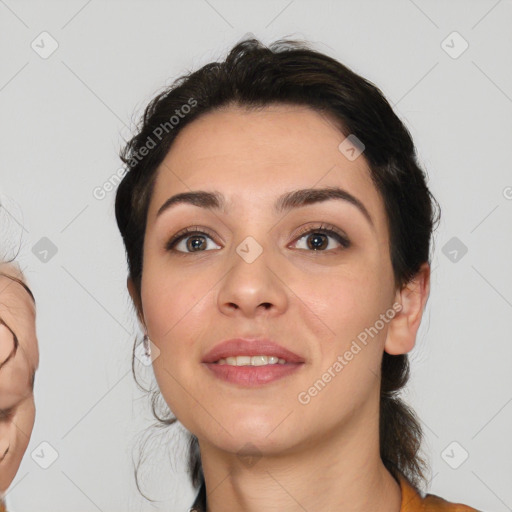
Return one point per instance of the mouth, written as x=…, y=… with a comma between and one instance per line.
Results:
x=251, y=362
x=260, y=360
x=253, y=352
x=251, y=375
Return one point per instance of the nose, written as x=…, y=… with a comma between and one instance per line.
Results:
x=251, y=286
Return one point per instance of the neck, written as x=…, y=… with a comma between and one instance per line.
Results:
x=340, y=471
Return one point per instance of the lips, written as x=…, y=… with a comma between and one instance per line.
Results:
x=247, y=347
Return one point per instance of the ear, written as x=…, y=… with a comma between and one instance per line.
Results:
x=401, y=335
x=136, y=300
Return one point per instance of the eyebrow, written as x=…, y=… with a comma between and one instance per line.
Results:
x=284, y=203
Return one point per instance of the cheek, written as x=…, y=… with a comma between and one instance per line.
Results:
x=341, y=311
x=172, y=296
x=16, y=434
x=176, y=310
x=179, y=313
x=341, y=304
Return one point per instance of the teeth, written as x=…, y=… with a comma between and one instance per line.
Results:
x=253, y=361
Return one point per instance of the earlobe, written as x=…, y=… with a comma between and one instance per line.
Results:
x=136, y=300
x=403, y=328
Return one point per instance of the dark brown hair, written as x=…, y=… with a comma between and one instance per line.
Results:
x=291, y=72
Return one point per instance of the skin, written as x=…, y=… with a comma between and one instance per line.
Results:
x=17, y=310
x=319, y=456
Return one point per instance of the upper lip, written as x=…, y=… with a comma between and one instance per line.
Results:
x=250, y=347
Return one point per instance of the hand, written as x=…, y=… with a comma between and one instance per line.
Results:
x=19, y=359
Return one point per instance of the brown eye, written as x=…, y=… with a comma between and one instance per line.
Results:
x=317, y=239
x=193, y=240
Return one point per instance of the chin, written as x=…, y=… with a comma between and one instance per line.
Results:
x=267, y=433
x=245, y=444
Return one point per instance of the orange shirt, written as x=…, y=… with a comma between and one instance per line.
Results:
x=413, y=502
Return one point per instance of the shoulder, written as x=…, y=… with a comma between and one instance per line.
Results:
x=413, y=501
x=436, y=503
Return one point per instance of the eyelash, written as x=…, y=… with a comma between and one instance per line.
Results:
x=326, y=229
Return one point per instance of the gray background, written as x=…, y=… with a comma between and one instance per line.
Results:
x=62, y=118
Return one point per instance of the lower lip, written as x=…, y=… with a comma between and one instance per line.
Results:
x=252, y=375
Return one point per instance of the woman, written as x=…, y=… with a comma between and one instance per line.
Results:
x=19, y=359
x=277, y=229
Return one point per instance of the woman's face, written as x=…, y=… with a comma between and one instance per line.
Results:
x=218, y=285
x=17, y=407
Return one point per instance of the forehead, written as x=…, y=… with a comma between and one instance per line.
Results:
x=253, y=156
